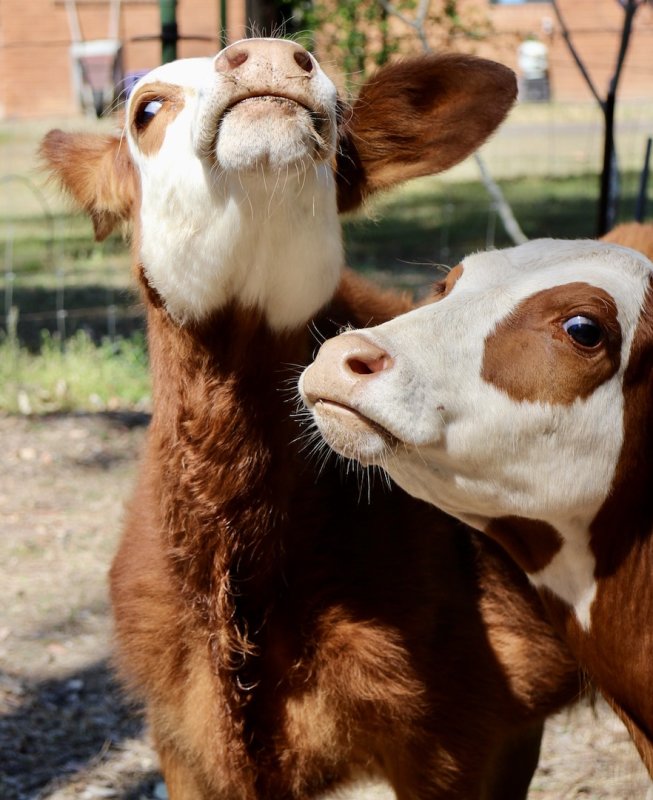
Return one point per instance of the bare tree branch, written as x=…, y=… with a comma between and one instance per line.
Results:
x=502, y=206
x=390, y=9
x=416, y=24
x=500, y=203
x=609, y=192
x=630, y=9
x=567, y=37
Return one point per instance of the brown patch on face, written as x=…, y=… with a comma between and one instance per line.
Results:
x=531, y=543
x=529, y=355
x=627, y=515
x=149, y=131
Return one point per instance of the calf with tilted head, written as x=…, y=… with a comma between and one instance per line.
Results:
x=287, y=639
x=520, y=399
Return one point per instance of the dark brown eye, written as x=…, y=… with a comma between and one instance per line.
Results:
x=146, y=113
x=584, y=331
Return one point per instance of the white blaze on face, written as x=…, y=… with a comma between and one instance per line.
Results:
x=238, y=200
x=499, y=412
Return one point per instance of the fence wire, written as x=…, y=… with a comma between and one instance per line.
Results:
x=54, y=278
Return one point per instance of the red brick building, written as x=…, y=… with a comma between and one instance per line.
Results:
x=595, y=26
x=37, y=77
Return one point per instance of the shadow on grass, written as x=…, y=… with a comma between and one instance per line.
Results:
x=52, y=730
x=440, y=223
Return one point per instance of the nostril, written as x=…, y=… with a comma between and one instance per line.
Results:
x=359, y=367
x=237, y=58
x=303, y=60
x=368, y=366
x=231, y=59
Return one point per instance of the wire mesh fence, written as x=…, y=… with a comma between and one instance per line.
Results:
x=54, y=278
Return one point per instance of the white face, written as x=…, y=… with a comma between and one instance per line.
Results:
x=503, y=397
x=234, y=155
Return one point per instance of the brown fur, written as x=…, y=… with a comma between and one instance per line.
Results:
x=617, y=652
x=98, y=172
x=286, y=634
x=531, y=543
x=151, y=137
x=425, y=115
x=636, y=235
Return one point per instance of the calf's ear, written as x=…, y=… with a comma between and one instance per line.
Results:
x=418, y=117
x=96, y=171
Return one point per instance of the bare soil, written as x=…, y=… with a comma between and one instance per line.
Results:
x=65, y=729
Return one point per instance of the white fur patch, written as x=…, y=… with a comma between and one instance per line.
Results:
x=570, y=574
x=266, y=236
x=365, y=789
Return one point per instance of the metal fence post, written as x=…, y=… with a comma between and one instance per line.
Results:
x=169, y=30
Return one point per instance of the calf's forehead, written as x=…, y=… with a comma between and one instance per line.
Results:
x=189, y=73
x=519, y=272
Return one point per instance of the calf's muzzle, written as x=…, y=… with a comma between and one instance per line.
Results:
x=342, y=368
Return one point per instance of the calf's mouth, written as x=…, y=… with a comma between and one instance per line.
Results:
x=269, y=129
x=351, y=433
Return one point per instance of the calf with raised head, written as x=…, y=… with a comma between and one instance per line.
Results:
x=520, y=399
x=285, y=637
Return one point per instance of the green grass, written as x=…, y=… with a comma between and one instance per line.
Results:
x=75, y=375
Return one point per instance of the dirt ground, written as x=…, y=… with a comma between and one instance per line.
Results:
x=65, y=730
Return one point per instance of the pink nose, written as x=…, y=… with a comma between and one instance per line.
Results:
x=344, y=365
x=253, y=54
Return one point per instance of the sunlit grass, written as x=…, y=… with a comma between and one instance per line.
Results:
x=76, y=375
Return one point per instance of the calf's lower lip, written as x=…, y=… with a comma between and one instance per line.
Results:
x=349, y=418
x=277, y=99
x=283, y=103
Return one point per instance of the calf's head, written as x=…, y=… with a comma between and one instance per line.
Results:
x=520, y=392
x=232, y=169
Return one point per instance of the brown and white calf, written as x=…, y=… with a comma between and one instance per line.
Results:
x=286, y=638
x=520, y=399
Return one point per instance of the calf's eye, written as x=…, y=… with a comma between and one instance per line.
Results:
x=584, y=331
x=147, y=112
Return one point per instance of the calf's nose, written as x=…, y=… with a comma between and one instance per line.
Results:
x=344, y=365
x=286, y=58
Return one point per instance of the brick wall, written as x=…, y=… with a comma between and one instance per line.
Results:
x=36, y=77
x=595, y=26
x=35, y=69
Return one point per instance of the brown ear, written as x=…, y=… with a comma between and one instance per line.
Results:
x=97, y=171
x=418, y=117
